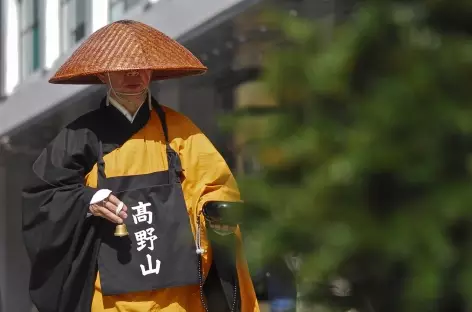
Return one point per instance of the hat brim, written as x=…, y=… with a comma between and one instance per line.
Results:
x=161, y=74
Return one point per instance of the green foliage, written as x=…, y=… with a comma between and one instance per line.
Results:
x=367, y=159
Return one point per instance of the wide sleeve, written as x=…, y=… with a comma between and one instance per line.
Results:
x=54, y=205
x=207, y=176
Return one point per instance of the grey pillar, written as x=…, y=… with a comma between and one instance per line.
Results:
x=3, y=238
x=17, y=266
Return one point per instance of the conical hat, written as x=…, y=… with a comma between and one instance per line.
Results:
x=127, y=45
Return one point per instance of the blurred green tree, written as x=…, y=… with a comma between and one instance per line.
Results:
x=367, y=158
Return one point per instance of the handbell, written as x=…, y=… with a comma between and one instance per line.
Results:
x=121, y=230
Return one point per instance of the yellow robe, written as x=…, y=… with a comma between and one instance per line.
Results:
x=206, y=177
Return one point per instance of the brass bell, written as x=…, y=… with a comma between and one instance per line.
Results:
x=121, y=230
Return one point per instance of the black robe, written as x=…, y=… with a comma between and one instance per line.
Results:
x=61, y=242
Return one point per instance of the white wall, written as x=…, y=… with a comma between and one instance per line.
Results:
x=11, y=47
x=51, y=29
x=99, y=14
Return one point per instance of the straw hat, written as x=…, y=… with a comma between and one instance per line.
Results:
x=127, y=45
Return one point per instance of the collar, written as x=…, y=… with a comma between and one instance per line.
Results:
x=118, y=127
x=124, y=111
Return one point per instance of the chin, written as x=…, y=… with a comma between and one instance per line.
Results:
x=137, y=89
x=131, y=90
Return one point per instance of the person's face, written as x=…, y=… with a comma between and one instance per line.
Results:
x=131, y=81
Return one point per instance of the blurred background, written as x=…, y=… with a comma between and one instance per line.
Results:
x=37, y=36
x=350, y=133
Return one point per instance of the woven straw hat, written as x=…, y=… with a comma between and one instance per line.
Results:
x=127, y=45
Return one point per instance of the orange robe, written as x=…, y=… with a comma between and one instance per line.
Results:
x=206, y=177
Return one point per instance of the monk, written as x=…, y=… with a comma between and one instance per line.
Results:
x=113, y=218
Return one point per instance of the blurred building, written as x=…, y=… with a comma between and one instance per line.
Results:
x=37, y=36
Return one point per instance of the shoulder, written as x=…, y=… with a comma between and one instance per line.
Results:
x=179, y=122
x=91, y=125
x=174, y=116
x=76, y=143
x=82, y=131
x=88, y=121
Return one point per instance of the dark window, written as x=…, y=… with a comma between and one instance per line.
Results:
x=73, y=22
x=29, y=37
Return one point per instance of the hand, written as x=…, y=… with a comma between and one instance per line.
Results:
x=107, y=209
